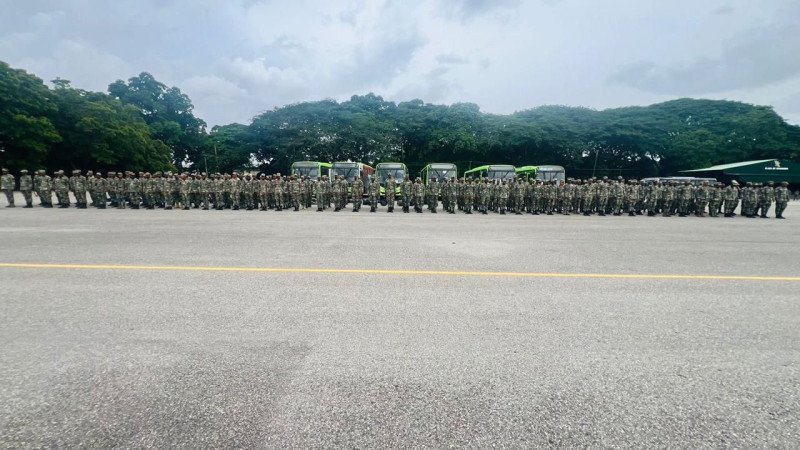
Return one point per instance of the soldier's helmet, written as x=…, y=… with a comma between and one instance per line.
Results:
x=418, y=178
x=97, y=175
x=771, y=183
x=4, y=170
x=784, y=183
x=23, y=171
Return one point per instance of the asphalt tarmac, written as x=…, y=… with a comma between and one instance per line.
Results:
x=280, y=329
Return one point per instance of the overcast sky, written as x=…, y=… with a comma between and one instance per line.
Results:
x=237, y=58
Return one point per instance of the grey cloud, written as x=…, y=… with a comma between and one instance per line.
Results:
x=754, y=58
x=723, y=10
x=451, y=59
x=466, y=9
x=379, y=61
x=433, y=87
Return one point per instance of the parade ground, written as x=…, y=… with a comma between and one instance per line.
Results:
x=197, y=329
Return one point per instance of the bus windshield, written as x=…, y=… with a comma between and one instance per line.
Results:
x=442, y=173
x=501, y=174
x=551, y=174
x=349, y=172
x=399, y=174
x=307, y=171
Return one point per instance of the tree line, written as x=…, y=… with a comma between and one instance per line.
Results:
x=143, y=125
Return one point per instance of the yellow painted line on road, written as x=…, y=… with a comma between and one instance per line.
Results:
x=454, y=273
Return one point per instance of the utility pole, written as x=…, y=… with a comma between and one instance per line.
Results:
x=597, y=152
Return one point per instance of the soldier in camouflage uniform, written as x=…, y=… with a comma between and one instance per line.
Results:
x=278, y=191
x=374, y=194
x=146, y=184
x=168, y=188
x=731, y=198
x=295, y=192
x=602, y=196
x=322, y=193
x=186, y=191
x=767, y=196
x=406, y=193
x=26, y=187
x=391, y=187
x=7, y=183
x=749, y=199
x=263, y=197
x=701, y=197
x=469, y=193
x=451, y=192
x=432, y=195
x=714, y=199
x=336, y=191
x=61, y=188
x=502, y=196
x=418, y=192
x=781, y=199
x=685, y=196
x=486, y=194
x=358, y=194
x=43, y=185
x=99, y=190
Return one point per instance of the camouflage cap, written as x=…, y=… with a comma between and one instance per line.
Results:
x=784, y=183
x=4, y=170
x=23, y=171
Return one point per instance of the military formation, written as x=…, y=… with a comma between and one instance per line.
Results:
x=276, y=192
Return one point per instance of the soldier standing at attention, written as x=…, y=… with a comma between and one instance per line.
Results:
x=321, y=188
x=502, y=194
x=7, y=183
x=714, y=199
x=731, y=197
x=374, y=194
x=61, y=186
x=767, y=197
x=186, y=191
x=358, y=194
x=43, y=185
x=468, y=193
x=26, y=187
x=452, y=195
x=432, y=192
x=419, y=192
x=295, y=192
x=100, y=188
x=781, y=198
x=167, y=189
x=406, y=191
x=701, y=196
x=391, y=187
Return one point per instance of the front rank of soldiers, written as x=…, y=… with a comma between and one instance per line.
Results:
x=262, y=192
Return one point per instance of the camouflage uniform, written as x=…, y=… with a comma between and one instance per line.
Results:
x=391, y=191
x=731, y=197
x=295, y=192
x=322, y=192
x=418, y=191
x=26, y=187
x=358, y=194
x=406, y=192
x=61, y=188
x=432, y=194
x=767, y=196
x=99, y=191
x=701, y=197
x=781, y=199
x=374, y=194
x=43, y=185
x=7, y=183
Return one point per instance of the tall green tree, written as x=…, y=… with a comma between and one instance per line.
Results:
x=26, y=132
x=168, y=112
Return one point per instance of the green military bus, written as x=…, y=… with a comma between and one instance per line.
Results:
x=544, y=173
x=312, y=169
x=492, y=172
x=397, y=170
x=441, y=171
x=352, y=170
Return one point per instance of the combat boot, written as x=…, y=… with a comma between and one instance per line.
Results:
x=631, y=214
